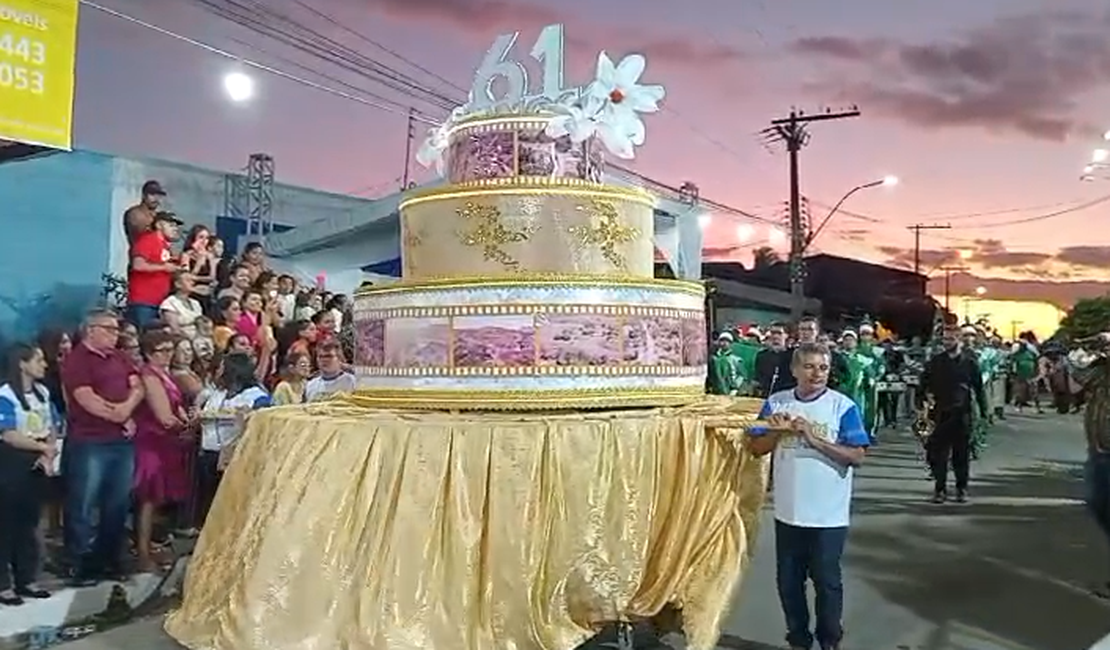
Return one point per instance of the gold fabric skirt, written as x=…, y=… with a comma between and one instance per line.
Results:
x=343, y=527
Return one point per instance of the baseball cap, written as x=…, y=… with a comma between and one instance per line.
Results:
x=153, y=188
x=168, y=216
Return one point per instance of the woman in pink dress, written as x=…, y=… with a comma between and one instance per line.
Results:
x=163, y=433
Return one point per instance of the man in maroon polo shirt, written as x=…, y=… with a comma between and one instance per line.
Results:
x=102, y=389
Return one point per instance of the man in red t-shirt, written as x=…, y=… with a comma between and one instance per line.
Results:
x=150, y=276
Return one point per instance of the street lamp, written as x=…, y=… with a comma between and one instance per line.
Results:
x=886, y=181
x=239, y=87
x=980, y=291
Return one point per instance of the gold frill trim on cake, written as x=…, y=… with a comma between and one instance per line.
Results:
x=518, y=185
x=525, y=400
x=576, y=281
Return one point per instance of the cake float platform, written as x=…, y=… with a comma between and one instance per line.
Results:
x=342, y=526
x=529, y=455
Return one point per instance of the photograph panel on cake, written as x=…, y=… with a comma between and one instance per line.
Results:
x=580, y=340
x=695, y=349
x=653, y=341
x=495, y=341
x=535, y=153
x=417, y=342
x=370, y=342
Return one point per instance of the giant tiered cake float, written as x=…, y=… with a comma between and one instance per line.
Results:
x=485, y=488
x=528, y=280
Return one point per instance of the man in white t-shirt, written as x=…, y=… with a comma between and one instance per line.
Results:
x=818, y=437
x=333, y=378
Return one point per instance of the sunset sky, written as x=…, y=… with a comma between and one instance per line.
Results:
x=986, y=110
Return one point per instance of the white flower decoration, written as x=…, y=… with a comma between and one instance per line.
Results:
x=618, y=87
x=431, y=151
x=576, y=119
x=610, y=107
x=621, y=134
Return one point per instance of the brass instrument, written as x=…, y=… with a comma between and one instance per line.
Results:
x=924, y=423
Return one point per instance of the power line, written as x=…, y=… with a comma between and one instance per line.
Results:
x=369, y=41
x=330, y=78
x=245, y=62
x=917, y=228
x=454, y=101
x=1072, y=207
x=264, y=20
x=957, y=216
x=253, y=23
x=1050, y=215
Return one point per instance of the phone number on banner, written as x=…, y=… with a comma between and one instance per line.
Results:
x=38, y=48
x=22, y=63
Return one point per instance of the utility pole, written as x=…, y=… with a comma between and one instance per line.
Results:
x=408, y=149
x=948, y=271
x=917, y=228
x=791, y=130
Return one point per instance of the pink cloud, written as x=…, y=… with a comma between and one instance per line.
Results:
x=485, y=18
x=1023, y=74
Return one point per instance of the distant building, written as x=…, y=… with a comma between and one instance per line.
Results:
x=843, y=291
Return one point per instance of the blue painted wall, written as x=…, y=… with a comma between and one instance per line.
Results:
x=55, y=243
x=62, y=219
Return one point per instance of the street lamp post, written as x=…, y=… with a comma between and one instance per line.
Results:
x=887, y=181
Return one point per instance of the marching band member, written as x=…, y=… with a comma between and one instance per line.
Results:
x=953, y=380
x=726, y=378
x=809, y=331
x=973, y=345
x=998, y=361
x=864, y=369
x=772, y=364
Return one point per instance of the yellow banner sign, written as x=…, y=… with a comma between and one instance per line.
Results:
x=38, y=55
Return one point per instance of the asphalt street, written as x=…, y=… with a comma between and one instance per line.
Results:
x=1012, y=570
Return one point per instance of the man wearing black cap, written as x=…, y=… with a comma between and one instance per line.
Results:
x=150, y=275
x=139, y=219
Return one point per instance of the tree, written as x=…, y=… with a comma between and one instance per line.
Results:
x=764, y=257
x=1087, y=318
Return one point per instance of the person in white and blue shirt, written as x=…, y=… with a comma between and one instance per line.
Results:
x=28, y=455
x=223, y=413
x=818, y=438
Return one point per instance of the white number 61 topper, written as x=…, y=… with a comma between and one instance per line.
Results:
x=608, y=107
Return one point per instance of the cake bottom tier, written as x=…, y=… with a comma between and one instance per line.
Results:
x=531, y=344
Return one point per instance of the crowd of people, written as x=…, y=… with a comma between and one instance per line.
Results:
x=113, y=437
x=814, y=420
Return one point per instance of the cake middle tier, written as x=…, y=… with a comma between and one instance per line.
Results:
x=503, y=228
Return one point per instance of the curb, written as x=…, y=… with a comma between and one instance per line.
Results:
x=71, y=614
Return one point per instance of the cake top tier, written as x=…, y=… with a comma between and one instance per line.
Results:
x=505, y=147
x=605, y=112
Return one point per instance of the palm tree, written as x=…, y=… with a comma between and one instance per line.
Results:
x=764, y=257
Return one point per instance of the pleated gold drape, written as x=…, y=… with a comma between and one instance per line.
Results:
x=339, y=527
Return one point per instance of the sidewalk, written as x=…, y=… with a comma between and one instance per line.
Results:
x=1009, y=571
